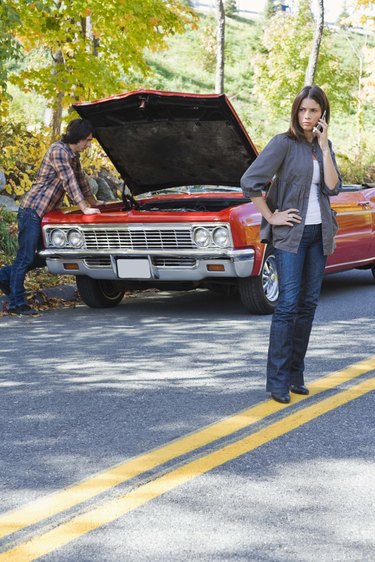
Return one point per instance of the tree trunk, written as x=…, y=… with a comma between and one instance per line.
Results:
x=93, y=41
x=57, y=117
x=57, y=108
x=314, y=53
x=220, y=42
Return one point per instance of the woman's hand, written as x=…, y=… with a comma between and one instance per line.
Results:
x=290, y=217
x=331, y=177
x=322, y=135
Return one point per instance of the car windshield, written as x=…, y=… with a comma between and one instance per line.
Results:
x=193, y=189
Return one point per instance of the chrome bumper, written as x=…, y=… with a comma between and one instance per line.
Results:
x=235, y=263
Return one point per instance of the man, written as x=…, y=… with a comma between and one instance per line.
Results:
x=60, y=173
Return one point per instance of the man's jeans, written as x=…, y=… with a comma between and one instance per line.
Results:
x=300, y=278
x=29, y=232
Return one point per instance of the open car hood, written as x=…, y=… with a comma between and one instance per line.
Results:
x=158, y=140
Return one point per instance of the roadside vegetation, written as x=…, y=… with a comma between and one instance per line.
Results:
x=36, y=280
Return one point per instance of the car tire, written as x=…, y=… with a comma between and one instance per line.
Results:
x=98, y=293
x=259, y=294
x=373, y=271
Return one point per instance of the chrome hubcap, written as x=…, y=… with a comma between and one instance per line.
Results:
x=270, y=279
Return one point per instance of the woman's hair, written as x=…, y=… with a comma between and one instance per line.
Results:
x=314, y=93
x=77, y=130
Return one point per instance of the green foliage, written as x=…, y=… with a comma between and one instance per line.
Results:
x=8, y=234
x=21, y=154
x=104, y=42
x=261, y=92
x=279, y=69
x=356, y=170
x=95, y=160
x=26, y=107
x=9, y=47
x=207, y=46
x=230, y=7
x=9, y=52
x=269, y=9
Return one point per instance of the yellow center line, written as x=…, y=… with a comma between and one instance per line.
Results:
x=60, y=501
x=111, y=510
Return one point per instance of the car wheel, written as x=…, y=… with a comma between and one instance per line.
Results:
x=260, y=294
x=98, y=293
x=373, y=271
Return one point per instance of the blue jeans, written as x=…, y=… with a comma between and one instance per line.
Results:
x=29, y=232
x=300, y=279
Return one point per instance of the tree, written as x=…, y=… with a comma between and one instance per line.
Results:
x=92, y=48
x=230, y=7
x=220, y=46
x=314, y=53
x=344, y=14
x=10, y=51
x=269, y=9
x=362, y=17
x=280, y=66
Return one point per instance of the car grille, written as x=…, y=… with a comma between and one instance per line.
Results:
x=174, y=262
x=97, y=262
x=138, y=239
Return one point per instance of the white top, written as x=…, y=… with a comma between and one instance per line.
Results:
x=313, y=215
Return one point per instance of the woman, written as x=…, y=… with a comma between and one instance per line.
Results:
x=299, y=223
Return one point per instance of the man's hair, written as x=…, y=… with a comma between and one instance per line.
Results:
x=311, y=92
x=77, y=130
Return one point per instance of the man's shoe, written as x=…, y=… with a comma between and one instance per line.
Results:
x=23, y=309
x=282, y=398
x=302, y=389
x=5, y=288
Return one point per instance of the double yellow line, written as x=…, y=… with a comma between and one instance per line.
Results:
x=40, y=510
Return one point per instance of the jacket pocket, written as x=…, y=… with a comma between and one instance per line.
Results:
x=280, y=232
x=335, y=225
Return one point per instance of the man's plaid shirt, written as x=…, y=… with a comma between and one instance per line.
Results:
x=60, y=173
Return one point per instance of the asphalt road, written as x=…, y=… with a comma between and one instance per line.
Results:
x=168, y=388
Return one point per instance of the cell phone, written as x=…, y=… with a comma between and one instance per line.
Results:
x=319, y=127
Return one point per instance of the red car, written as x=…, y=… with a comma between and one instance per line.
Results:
x=183, y=221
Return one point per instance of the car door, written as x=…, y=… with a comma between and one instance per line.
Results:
x=354, y=238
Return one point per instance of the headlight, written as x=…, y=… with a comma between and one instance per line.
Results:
x=75, y=238
x=202, y=237
x=221, y=237
x=58, y=238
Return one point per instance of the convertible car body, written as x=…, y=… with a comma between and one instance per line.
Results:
x=183, y=221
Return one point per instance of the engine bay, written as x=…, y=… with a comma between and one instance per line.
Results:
x=193, y=205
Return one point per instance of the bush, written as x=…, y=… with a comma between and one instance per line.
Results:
x=230, y=7
x=22, y=152
x=355, y=170
x=8, y=234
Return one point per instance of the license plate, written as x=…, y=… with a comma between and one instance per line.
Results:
x=133, y=269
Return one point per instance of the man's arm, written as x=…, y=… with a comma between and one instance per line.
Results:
x=64, y=171
x=87, y=209
x=86, y=188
